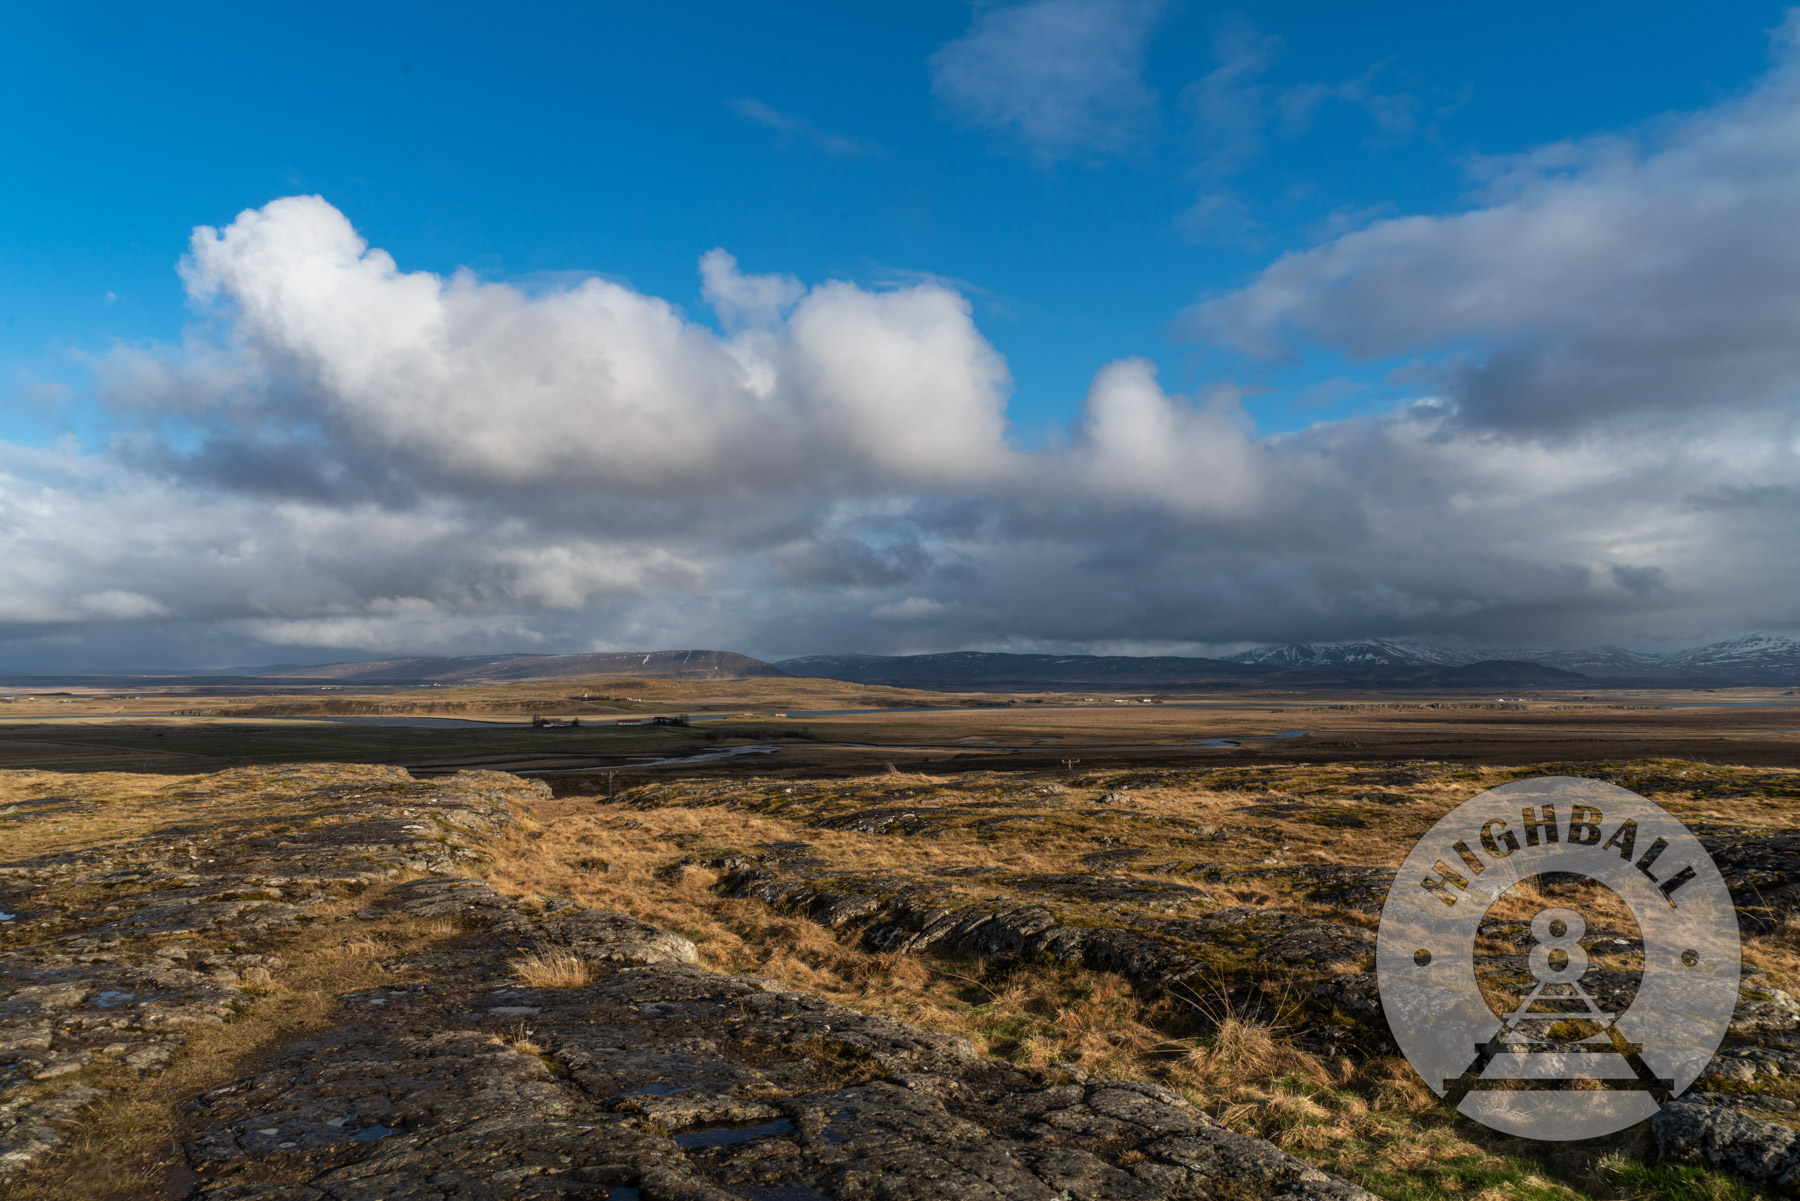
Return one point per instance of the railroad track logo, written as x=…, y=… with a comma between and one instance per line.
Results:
x=1558, y=957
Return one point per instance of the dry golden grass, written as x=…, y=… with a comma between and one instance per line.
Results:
x=646, y=879
x=1777, y=953
x=575, y=698
x=1368, y=1119
x=1371, y=1119
x=547, y=968
x=108, y=808
x=1092, y=1021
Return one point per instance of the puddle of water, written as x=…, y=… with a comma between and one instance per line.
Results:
x=830, y=1132
x=428, y=723
x=372, y=1134
x=1249, y=738
x=785, y=1192
x=112, y=997
x=635, y=764
x=730, y=1134
x=1725, y=705
x=619, y=1192
x=860, y=712
x=658, y=1089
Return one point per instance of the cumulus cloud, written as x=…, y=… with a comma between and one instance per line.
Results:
x=347, y=454
x=1197, y=460
x=1062, y=76
x=334, y=351
x=755, y=301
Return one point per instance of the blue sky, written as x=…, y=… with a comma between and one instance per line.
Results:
x=1097, y=181
x=620, y=139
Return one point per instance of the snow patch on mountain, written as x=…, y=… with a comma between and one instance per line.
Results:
x=1754, y=658
x=1373, y=652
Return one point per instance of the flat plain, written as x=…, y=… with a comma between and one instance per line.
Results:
x=823, y=727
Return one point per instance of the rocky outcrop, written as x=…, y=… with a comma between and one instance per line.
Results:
x=113, y=956
x=1137, y=927
x=656, y=1079
x=679, y=1083
x=1695, y=1130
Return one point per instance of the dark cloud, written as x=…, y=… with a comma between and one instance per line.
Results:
x=1607, y=283
x=1604, y=447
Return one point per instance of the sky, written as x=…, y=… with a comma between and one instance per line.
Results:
x=1125, y=326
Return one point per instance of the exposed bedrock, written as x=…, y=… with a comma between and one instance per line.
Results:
x=1152, y=944
x=656, y=1081
x=679, y=1083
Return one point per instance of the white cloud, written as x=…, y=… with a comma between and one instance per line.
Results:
x=904, y=379
x=1230, y=104
x=791, y=126
x=1062, y=76
x=758, y=301
x=592, y=386
x=1235, y=108
x=1616, y=281
x=116, y=604
x=1197, y=460
x=368, y=458
x=1395, y=114
x=909, y=610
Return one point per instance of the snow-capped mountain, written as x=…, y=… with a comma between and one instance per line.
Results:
x=1374, y=652
x=1754, y=659
x=1764, y=657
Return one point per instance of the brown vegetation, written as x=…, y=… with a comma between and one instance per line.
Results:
x=548, y=968
x=650, y=850
x=1367, y=1117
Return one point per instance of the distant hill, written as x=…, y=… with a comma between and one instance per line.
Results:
x=1483, y=674
x=1606, y=662
x=981, y=670
x=1756, y=659
x=984, y=670
x=518, y=669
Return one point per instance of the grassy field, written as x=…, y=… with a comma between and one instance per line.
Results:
x=1240, y=1047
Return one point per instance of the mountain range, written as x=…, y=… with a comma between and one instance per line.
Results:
x=1755, y=659
x=513, y=669
x=1374, y=663
x=982, y=670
